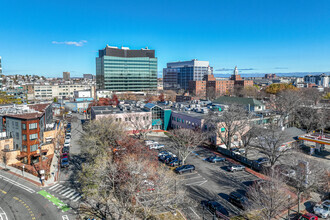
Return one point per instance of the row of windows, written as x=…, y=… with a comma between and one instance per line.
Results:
x=136, y=118
x=31, y=136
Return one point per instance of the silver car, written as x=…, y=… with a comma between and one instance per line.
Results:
x=323, y=210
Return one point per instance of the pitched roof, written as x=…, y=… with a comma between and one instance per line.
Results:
x=237, y=100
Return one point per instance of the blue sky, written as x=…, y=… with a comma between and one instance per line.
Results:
x=259, y=36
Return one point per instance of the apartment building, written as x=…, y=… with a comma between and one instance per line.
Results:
x=26, y=125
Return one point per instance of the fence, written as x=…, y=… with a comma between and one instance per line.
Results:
x=250, y=163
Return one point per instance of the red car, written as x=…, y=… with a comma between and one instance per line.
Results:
x=308, y=216
x=65, y=155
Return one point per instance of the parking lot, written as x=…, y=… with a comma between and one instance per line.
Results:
x=210, y=182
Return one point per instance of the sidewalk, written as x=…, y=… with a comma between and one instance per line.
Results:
x=31, y=178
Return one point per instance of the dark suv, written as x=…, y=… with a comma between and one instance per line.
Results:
x=237, y=199
x=215, y=208
x=184, y=168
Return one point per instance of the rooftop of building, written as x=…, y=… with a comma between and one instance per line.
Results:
x=104, y=110
x=237, y=100
x=126, y=52
x=24, y=111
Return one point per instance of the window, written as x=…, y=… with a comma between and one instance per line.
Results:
x=136, y=118
x=24, y=137
x=119, y=119
x=33, y=126
x=16, y=124
x=147, y=117
x=24, y=126
x=33, y=147
x=33, y=136
x=17, y=135
x=24, y=148
x=116, y=119
x=126, y=119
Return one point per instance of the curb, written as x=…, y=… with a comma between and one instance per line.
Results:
x=22, y=177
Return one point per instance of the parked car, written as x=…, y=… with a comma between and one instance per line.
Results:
x=170, y=159
x=184, y=168
x=262, y=160
x=66, y=145
x=65, y=149
x=322, y=210
x=65, y=155
x=175, y=162
x=214, y=159
x=67, y=140
x=238, y=151
x=308, y=216
x=65, y=162
x=164, y=152
x=234, y=168
x=215, y=208
x=147, y=142
x=156, y=146
x=238, y=200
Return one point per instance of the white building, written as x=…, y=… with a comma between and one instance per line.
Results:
x=59, y=91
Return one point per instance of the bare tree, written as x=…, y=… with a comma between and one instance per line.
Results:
x=141, y=125
x=308, y=173
x=269, y=196
x=269, y=142
x=248, y=137
x=186, y=141
x=285, y=104
x=121, y=178
x=211, y=93
x=229, y=124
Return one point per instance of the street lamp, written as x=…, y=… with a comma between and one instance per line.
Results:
x=23, y=169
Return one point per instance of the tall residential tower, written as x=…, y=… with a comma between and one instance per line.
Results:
x=126, y=70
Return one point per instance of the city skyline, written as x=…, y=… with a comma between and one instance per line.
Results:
x=259, y=37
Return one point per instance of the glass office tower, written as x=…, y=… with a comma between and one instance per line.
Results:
x=126, y=70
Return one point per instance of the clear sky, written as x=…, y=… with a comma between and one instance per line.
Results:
x=259, y=36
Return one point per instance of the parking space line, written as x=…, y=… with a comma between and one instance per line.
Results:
x=196, y=183
x=3, y=215
x=194, y=212
x=197, y=177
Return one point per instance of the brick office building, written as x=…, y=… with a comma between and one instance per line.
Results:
x=219, y=87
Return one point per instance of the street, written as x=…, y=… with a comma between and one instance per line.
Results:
x=20, y=199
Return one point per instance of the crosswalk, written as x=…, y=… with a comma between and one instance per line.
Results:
x=65, y=192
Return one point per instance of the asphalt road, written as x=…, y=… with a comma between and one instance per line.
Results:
x=210, y=182
x=20, y=199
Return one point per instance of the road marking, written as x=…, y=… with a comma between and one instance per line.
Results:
x=65, y=190
x=56, y=185
x=70, y=191
x=196, y=183
x=17, y=184
x=3, y=215
x=75, y=200
x=26, y=206
x=65, y=217
x=4, y=192
x=69, y=195
x=57, y=202
x=59, y=188
x=75, y=195
x=197, y=177
x=194, y=212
